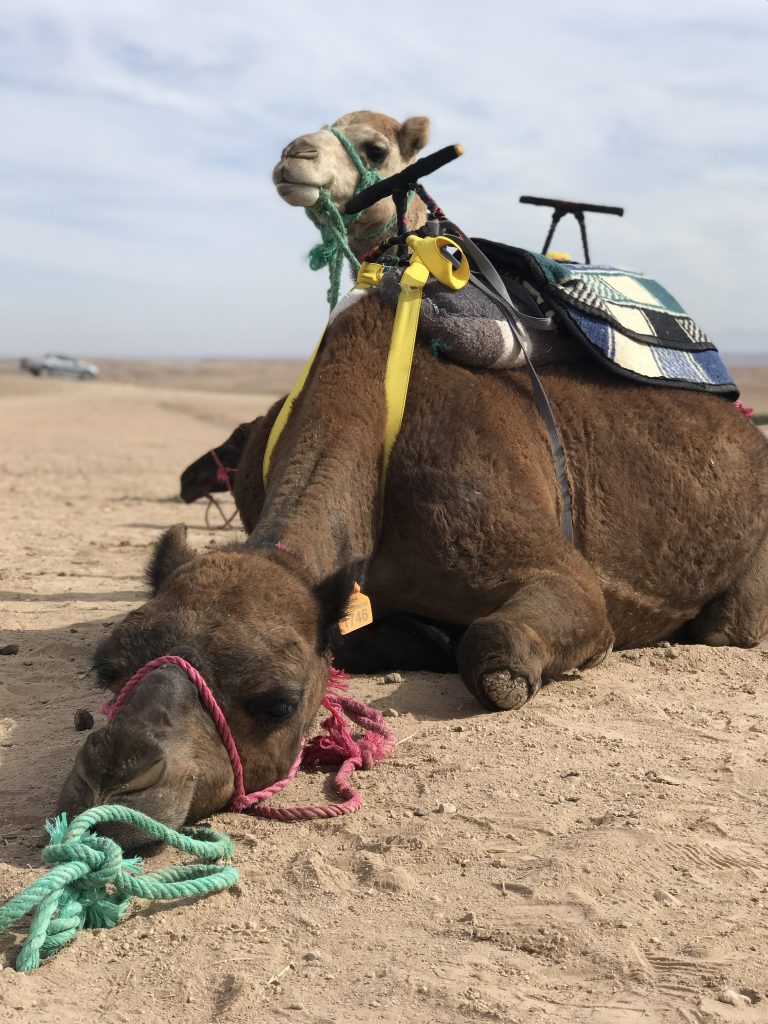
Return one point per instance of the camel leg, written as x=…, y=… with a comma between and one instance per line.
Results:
x=553, y=623
x=395, y=642
x=738, y=617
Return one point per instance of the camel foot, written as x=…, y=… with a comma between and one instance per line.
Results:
x=506, y=691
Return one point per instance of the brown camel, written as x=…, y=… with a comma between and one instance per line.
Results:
x=669, y=487
x=319, y=160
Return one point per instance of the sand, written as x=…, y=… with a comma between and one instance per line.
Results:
x=600, y=856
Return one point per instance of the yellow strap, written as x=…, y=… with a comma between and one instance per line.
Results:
x=285, y=412
x=400, y=358
x=427, y=258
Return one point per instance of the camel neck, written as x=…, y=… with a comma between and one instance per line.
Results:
x=364, y=234
x=322, y=494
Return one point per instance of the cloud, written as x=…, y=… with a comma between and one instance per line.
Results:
x=136, y=209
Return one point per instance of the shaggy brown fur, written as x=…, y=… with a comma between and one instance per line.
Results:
x=670, y=490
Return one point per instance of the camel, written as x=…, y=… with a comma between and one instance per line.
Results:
x=669, y=489
x=319, y=160
x=204, y=476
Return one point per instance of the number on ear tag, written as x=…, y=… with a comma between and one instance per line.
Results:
x=359, y=612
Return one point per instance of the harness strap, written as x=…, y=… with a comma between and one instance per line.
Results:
x=282, y=417
x=499, y=294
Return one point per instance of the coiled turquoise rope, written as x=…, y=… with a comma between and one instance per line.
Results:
x=73, y=895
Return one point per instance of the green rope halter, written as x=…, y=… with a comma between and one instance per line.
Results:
x=334, y=247
x=74, y=894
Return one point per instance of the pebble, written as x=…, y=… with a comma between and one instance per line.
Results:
x=446, y=808
x=665, y=898
x=733, y=998
x=391, y=713
x=393, y=677
x=631, y=655
x=671, y=653
x=420, y=812
x=311, y=956
x=83, y=720
x=10, y=649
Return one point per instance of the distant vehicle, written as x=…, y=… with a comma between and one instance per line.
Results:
x=52, y=365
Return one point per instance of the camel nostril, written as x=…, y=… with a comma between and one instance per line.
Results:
x=300, y=150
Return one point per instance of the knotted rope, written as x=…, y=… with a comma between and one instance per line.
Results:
x=335, y=746
x=91, y=884
x=334, y=247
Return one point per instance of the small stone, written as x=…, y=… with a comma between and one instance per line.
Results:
x=733, y=998
x=83, y=720
x=446, y=808
x=252, y=926
x=631, y=655
x=391, y=713
x=311, y=956
x=299, y=1006
x=665, y=898
x=671, y=653
x=624, y=924
x=10, y=649
x=457, y=728
x=420, y=812
x=393, y=677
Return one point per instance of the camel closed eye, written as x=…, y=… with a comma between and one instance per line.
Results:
x=273, y=708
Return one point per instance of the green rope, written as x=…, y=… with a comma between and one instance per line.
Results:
x=74, y=894
x=334, y=245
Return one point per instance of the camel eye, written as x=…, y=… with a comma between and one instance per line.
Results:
x=375, y=152
x=271, y=708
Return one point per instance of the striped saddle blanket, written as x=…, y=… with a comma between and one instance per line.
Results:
x=628, y=321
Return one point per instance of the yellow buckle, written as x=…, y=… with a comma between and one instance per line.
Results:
x=369, y=275
x=429, y=252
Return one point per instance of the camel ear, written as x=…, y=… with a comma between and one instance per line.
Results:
x=170, y=552
x=412, y=136
x=333, y=597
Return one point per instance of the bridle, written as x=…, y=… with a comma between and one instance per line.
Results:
x=335, y=745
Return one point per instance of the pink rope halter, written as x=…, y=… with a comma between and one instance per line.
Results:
x=224, y=476
x=335, y=745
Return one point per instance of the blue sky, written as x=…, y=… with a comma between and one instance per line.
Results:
x=137, y=214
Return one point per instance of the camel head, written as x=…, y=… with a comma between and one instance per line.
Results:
x=257, y=630
x=320, y=160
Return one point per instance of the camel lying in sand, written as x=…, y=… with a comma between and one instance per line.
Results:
x=204, y=475
x=670, y=490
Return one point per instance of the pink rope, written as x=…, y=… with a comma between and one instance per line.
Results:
x=335, y=745
x=745, y=409
x=223, y=475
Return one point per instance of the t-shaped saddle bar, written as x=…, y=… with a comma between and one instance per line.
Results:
x=404, y=180
x=561, y=207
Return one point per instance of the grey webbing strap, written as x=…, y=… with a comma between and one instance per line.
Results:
x=498, y=293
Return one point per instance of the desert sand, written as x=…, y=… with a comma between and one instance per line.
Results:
x=600, y=856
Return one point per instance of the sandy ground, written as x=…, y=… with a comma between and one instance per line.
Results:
x=603, y=856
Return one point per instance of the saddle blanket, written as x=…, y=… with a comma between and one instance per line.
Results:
x=628, y=321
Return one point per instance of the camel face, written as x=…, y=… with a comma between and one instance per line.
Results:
x=225, y=613
x=319, y=160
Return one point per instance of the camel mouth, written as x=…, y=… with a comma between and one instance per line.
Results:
x=298, y=194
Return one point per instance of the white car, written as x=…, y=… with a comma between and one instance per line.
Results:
x=52, y=365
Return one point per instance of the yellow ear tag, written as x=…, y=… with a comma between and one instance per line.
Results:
x=359, y=612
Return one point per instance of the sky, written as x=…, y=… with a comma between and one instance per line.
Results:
x=137, y=212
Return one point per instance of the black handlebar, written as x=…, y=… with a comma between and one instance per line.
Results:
x=404, y=180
